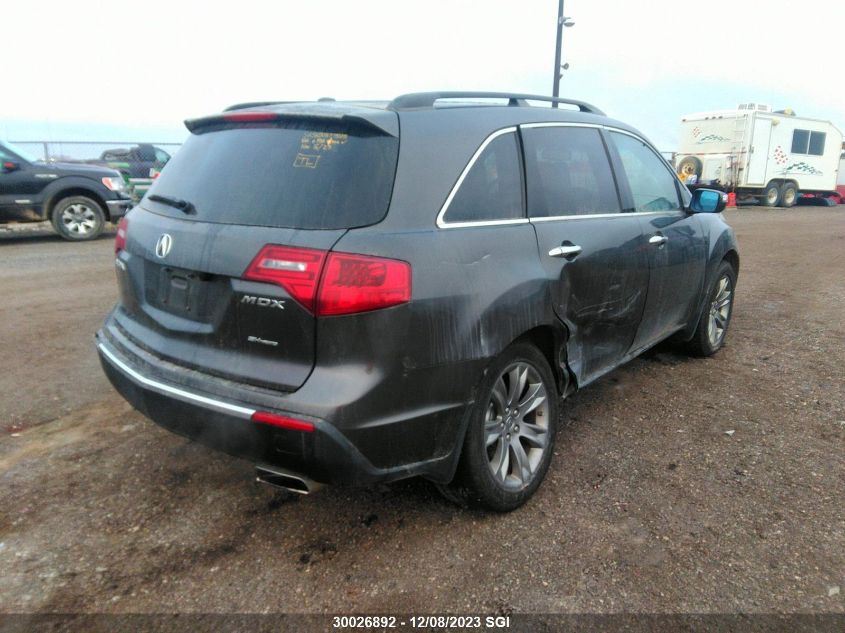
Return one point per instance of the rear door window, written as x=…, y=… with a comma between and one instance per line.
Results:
x=294, y=174
x=568, y=172
x=492, y=188
x=651, y=181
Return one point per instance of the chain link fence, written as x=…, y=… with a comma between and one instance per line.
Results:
x=138, y=162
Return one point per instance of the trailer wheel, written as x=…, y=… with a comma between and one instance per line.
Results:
x=788, y=195
x=771, y=195
x=689, y=166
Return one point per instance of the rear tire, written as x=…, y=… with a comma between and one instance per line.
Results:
x=788, y=195
x=78, y=218
x=716, y=313
x=771, y=195
x=510, y=438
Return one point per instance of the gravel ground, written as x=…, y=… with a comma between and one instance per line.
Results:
x=678, y=485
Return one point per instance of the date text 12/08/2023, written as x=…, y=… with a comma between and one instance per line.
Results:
x=422, y=622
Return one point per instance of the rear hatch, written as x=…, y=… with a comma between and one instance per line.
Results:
x=222, y=257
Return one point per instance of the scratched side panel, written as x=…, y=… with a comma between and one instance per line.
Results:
x=413, y=368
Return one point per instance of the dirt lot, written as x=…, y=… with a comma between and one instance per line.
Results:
x=678, y=485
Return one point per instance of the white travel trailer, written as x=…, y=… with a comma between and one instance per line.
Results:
x=756, y=153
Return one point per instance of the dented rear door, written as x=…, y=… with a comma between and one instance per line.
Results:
x=592, y=251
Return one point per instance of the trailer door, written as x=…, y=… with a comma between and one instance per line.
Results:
x=759, y=155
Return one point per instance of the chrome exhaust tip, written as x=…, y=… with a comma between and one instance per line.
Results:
x=286, y=480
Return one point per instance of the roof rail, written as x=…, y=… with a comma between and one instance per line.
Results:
x=428, y=99
x=255, y=104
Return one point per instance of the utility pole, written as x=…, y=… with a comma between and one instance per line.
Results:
x=556, y=84
x=562, y=21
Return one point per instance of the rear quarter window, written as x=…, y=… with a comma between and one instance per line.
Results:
x=297, y=174
x=492, y=188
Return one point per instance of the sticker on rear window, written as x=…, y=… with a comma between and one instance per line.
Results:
x=321, y=141
x=317, y=142
x=306, y=160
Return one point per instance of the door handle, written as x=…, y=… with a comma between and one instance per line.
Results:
x=660, y=240
x=570, y=250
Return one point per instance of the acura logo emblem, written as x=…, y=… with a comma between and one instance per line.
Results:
x=163, y=246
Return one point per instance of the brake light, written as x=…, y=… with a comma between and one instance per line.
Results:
x=282, y=421
x=249, y=117
x=331, y=284
x=120, y=238
x=359, y=283
x=297, y=270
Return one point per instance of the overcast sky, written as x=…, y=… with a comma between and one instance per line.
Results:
x=93, y=70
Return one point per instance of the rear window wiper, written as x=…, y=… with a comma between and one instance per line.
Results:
x=183, y=205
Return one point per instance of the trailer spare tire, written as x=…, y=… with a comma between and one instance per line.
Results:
x=689, y=166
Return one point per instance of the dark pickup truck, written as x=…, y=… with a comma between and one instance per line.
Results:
x=77, y=198
x=141, y=161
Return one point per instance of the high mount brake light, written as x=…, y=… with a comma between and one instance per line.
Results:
x=249, y=117
x=331, y=284
x=120, y=238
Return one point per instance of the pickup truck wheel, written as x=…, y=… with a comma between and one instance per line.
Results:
x=78, y=218
x=771, y=195
x=716, y=314
x=509, y=441
x=788, y=195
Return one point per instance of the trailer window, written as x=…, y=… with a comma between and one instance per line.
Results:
x=816, y=143
x=807, y=142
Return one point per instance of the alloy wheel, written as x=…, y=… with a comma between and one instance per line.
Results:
x=720, y=311
x=516, y=426
x=79, y=219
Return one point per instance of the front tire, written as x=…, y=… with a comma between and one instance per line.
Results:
x=509, y=442
x=716, y=314
x=78, y=218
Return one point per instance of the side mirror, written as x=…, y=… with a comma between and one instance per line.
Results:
x=9, y=165
x=708, y=201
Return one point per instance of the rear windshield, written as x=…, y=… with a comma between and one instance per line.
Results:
x=297, y=174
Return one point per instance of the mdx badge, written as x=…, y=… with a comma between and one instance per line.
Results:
x=263, y=302
x=163, y=246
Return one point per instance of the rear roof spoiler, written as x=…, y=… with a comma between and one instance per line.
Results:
x=382, y=121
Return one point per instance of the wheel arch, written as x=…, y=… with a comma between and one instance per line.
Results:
x=551, y=341
x=722, y=247
x=61, y=190
x=732, y=257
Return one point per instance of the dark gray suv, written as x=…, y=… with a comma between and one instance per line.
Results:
x=350, y=292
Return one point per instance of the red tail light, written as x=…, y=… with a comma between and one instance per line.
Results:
x=358, y=283
x=282, y=421
x=120, y=238
x=297, y=270
x=340, y=283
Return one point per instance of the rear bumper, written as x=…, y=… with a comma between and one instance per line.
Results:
x=325, y=455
